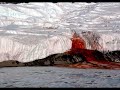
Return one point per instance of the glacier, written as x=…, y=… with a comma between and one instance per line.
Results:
x=30, y=31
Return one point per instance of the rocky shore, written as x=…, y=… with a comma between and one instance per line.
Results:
x=84, y=59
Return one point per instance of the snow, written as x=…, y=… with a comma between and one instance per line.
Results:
x=58, y=77
x=12, y=49
x=29, y=31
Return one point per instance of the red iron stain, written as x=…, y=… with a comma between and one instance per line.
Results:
x=78, y=42
x=79, y=47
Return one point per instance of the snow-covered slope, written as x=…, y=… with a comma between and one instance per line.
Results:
x=29, y=31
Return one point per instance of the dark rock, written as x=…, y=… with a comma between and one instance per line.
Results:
x=113, y=56
x=51, y=60
x=11, y=63
x=98, y=55
x=54, y=59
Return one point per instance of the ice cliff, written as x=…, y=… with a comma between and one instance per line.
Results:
x=29, y=31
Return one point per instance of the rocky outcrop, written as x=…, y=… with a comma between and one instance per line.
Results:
x=11, y=63
x=113, y=56
x=77, y=58
x=55, y=59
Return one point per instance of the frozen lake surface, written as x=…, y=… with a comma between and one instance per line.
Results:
x=58, y=77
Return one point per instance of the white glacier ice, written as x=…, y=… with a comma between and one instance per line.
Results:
x=29, y=31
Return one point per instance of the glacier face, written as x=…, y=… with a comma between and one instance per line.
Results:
x=29, y=31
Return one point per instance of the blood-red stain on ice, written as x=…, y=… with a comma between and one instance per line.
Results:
x=77, y=42
x=79, y=47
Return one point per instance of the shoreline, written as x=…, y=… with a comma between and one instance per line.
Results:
x=84, y=65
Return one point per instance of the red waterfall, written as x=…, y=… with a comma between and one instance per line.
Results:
x=79, y=46
x=78, y=42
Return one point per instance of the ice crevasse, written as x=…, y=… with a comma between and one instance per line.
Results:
x=30, y=31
